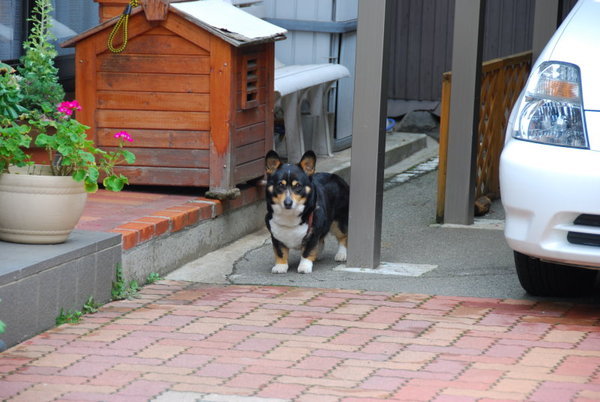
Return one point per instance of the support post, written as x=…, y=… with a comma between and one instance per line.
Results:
x=368, y=133
x=545, y=22
x=469, y=16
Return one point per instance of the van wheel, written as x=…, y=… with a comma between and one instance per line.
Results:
x=540, y=278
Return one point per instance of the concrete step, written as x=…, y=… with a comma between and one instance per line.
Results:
x=37, y=281
x=398, y=147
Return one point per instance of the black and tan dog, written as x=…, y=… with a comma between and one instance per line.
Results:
x=302, y=207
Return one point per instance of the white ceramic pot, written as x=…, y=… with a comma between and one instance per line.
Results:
x=39, y=208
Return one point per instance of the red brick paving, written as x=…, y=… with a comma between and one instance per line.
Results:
x=143, y=216
x=184, y=340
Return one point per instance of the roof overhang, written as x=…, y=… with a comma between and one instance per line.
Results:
x=220, y=18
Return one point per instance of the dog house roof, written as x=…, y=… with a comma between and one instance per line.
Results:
x=220, y=18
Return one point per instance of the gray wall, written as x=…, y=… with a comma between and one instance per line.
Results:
x=422, y=41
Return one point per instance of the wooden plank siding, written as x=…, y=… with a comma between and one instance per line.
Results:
x=154, y=64
x=167, y=157
x=183, y=139
x=149, y=175
x=107, y=12
x=159, y=91
x=249, y=144
x=177, y=89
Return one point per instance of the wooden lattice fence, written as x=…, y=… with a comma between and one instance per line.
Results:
x=501, y=83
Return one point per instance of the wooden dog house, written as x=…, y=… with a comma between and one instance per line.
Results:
x=194, y=88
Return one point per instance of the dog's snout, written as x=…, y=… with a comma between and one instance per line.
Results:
x=287, y=203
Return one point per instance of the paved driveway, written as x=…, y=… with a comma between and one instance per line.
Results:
x=181, y=341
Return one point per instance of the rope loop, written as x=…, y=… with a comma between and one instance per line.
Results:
x=121, y=25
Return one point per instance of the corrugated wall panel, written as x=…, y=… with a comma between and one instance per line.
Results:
x=422, y=41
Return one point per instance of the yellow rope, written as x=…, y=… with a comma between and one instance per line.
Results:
x=122, y=23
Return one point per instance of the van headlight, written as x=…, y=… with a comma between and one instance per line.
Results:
x=551, y=109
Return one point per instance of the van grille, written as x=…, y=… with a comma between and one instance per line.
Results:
x=585, y=239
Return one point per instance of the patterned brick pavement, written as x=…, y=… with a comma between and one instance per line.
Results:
x=184, y=342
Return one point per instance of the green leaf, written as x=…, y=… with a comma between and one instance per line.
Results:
x=120, y=290
x=79, y=175
x=87, y=157
x=42, y=140
x=69, y=316
x=128, y=156
x=90, y=186
x=90, y=306
x=113, y=183
x=93, y=173
x=153, y=277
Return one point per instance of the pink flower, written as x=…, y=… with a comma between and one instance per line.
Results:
x=123, y=135
x=68, y=107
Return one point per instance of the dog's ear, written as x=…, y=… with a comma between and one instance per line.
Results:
x=272, y=162
x=308, y=162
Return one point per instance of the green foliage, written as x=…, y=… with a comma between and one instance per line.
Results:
x=74, y=316
x=59, y=133
x=73, y=154
x=41, y=88
x=10, y=95
x=13, y=137
x=13, y=142
x=90, y=306
x=69, y=316
x=153, y=277
x=2, y=327
x=121, y=289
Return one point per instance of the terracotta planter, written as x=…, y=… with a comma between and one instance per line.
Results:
x=39, y=155
x=39, y=208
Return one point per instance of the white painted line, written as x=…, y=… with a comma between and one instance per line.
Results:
x=487, y=224
x=391, y=268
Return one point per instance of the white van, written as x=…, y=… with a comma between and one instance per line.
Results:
x=550, y=164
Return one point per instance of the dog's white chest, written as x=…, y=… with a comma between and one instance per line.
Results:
x=288, y=230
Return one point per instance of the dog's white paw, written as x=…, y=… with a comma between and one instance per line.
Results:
x=305, y=266
x=341, y=253
x=279, y=269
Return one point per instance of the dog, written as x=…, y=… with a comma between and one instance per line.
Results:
x=302, y=207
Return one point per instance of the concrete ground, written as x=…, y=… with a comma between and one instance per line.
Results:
x=418, y=255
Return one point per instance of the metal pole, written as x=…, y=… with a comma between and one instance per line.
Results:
x=469, y=16
x=368, y=133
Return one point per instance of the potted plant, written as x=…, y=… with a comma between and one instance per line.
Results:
x=43, y=203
